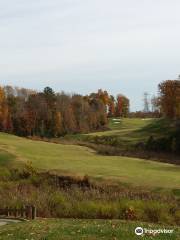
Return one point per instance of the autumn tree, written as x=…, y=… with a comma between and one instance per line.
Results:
x=122, y=106
x=4, y=112
x=26, y=112
x=169, y=91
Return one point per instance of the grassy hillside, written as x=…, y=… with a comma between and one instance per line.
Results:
x=6, y=158
x=81, y=229
x=132, y=130
x=106, y=200
x=121, y=127
x=79, y=160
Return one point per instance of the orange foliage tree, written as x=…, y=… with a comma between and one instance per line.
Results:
x=170, y=98
x=4, y=113
x=122, y=106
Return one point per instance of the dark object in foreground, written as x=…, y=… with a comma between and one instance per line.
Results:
x=27, y=212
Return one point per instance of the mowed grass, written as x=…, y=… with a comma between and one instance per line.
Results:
x=128, y=130
x=81, y=161
x=5, y=158
x=133, y=130
x=122, y=126
x=73, y=229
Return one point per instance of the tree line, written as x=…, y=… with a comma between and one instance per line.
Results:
x=48, y=114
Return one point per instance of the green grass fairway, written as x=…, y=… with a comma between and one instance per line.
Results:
x=81, y=160
x=6, y=158
x=123, y=126
x=127, y=130
x=81, y=229
x=132, y=130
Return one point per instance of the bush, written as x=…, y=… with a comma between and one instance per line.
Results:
x=167, y=144
x=157, y=212
x=177, y=216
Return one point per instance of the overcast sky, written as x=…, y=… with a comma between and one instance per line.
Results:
x=123, y=46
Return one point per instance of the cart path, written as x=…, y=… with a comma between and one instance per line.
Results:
x=7, y=221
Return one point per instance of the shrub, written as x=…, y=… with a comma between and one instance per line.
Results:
x=177, y=217
x=156, y=212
